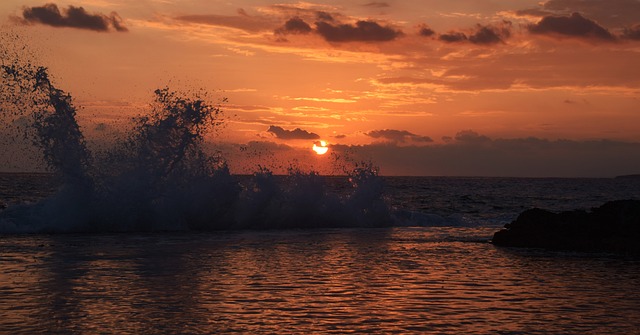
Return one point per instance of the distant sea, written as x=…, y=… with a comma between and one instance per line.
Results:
x=432, y=272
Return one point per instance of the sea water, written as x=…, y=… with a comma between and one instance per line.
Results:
x=440, y=278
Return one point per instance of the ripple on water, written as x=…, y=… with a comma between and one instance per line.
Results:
x=399, y=280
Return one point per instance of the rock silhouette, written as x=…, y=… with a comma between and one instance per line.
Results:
x=612, y=227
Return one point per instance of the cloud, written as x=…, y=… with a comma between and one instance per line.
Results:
x=377, y=5
x=296, y=134
x=398, y=136
x=242, y=21
x=294, y=26
x=632, y=33
x=470, y=136
x=363, y=31
x=574, y=25
x=575, y=67
x=517, y=157
x=489, y=34
x=537, y=12
x=611, y=13
x=453, y=37
x=485, y=35
x=72, y=17
x=324, y=16
x=426, y=31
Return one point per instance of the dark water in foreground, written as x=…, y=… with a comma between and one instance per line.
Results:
x=436, y=276
x=396, y=280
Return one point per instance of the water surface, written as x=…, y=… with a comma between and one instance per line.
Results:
x=396, y=280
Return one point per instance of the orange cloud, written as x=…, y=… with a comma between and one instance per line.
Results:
x=632, y=33
x=241, y=21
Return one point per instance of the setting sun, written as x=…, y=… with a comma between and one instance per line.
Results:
x=320, y=147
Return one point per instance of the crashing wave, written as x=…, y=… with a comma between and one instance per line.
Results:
x=160, y=178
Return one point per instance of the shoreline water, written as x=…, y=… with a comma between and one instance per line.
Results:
x=381, y=281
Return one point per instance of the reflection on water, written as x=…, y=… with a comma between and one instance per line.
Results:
x=335, y=281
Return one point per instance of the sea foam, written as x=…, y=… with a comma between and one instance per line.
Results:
x=159, y=177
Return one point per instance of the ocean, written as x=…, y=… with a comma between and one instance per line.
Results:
x=431, y=272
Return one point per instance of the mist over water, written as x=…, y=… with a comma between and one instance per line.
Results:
x=159, y=176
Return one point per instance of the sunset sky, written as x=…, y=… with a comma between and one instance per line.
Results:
x=420, y=87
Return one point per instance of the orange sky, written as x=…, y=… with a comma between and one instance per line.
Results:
x=420, y=87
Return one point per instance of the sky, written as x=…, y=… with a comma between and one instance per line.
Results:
x=423, y=87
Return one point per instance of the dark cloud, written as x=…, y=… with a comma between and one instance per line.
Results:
x=518, y=157
x=294, y=26
x=632, y=33
x=452, y=37
x=296, y=134
x=574, y=25
x=377, y=5
x=485, y=35
x=72, y=17
x=398, y=136
x=426, y=31
x=610, y=13
x=470, y=136
x=324, y=16
x=491, y=34
x=363, y=31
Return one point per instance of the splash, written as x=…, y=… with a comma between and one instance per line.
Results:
x=160, y=178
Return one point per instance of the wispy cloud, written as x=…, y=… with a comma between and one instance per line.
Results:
x=632, y=33
x=398, y=136
x=241, y=21
x=377, y=4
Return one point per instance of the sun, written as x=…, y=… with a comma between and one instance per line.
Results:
x=320, y=147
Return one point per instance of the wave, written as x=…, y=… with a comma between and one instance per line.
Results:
x=159, y=177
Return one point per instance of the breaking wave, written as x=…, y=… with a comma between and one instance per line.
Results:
x=158, y=177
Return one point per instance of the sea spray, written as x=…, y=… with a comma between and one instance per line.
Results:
x=159, y=177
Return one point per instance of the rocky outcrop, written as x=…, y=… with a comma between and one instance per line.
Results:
x=612, y=227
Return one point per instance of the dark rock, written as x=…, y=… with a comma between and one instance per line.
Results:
x=612, y=227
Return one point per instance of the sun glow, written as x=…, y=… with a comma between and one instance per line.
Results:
x=320, y=147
